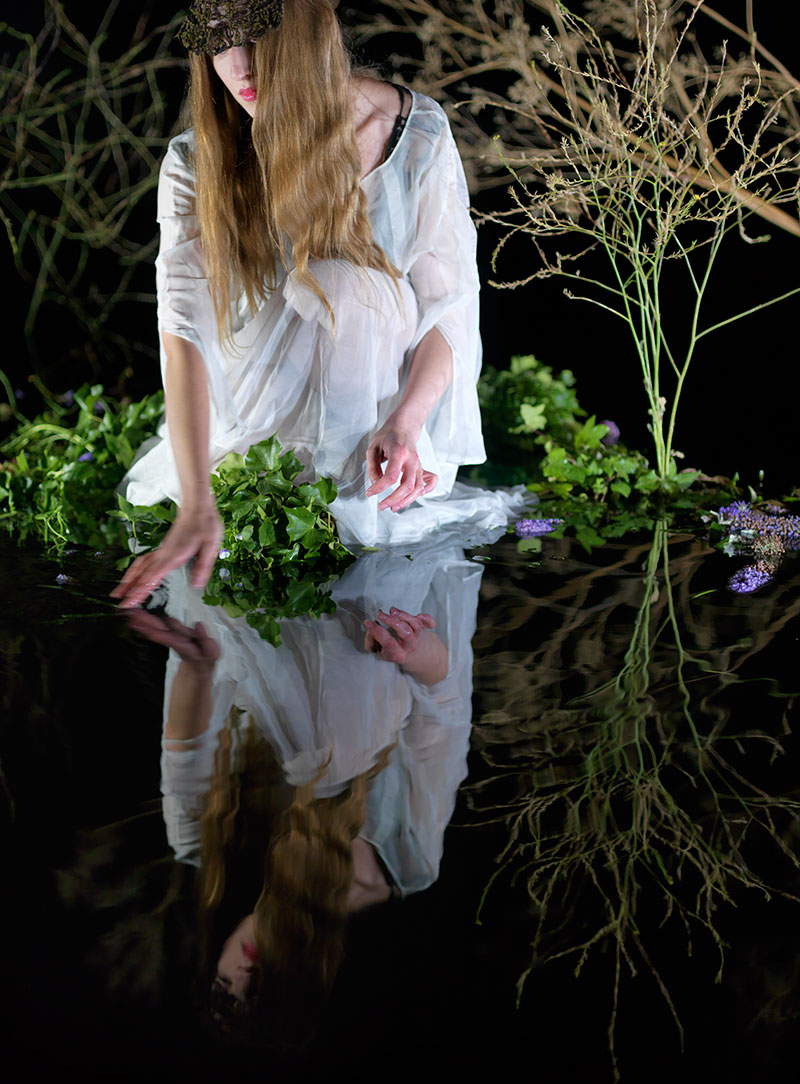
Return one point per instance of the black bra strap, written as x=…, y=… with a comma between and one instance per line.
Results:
x=400, y=122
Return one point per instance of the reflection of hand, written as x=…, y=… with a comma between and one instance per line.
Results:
x=397, y=447
x=193, y=645
x=196, y=533
x=399, y=641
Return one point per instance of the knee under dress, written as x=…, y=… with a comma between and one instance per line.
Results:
x=325, y=387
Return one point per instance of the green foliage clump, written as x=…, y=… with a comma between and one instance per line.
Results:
x=535, y=424
x=280, y=545
x=58, y=472
x=524, y=401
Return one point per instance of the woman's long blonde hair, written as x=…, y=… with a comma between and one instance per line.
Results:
x=305, y=844
x=286, y=186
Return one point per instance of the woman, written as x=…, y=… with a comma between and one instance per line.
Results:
x=317, y=281
x=314, y=780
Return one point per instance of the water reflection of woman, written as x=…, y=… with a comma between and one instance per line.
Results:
x=312, y=781
x=316, y=280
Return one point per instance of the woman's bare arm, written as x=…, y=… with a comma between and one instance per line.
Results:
x=396, y=442
x=197, y=530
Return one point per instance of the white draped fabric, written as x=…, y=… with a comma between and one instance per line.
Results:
x=326, y=705
x=326, y=391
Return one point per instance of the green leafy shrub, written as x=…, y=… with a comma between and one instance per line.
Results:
x=280, y=547
x=58, y=472
x=538, y=434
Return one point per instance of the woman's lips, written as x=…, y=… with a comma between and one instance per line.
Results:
x=250, y=951
x=248, y=93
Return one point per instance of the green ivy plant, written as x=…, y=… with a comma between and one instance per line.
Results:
x=58, y=472
x=538, y=434
x=280, y=549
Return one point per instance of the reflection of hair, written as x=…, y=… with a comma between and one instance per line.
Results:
x=305, y=846
x=289, y=183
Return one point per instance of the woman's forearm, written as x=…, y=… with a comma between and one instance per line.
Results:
x=186, y=400
x=190, y=701
x=428, y=378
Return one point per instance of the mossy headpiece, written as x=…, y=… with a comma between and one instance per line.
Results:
x=214, y=25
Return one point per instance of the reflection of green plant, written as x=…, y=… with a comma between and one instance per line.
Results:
x=81, y=134
x=60, y=470
x=625, y=793
x=280, y=545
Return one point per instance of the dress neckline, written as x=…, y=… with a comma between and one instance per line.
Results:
x=399, y=140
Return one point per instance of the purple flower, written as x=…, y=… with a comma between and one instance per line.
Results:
x=87, y=457
x=731, y=511
x=532, y=528
x=612, y=436
x=748, y=579
x=224, y=574
x=99, y=408
x=224, y=554
x=68, y=398
x=19, y=394
x=62, y=579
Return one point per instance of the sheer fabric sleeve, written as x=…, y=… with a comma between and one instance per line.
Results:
x=444, y=275
x=185, y=308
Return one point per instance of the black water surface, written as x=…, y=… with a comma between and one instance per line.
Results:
x=95, y=990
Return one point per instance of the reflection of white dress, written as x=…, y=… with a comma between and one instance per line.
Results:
x=326, y=705
x=326, y=392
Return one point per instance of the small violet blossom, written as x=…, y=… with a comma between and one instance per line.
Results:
x=87, y=457
x=62, y=579
x=532, y=528
x=224, y=554
x=612, y=436
x=748, y=579
x=68, y=398
x=99, y=408
x=224, y=574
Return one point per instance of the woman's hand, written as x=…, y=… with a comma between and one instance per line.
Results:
x=409, y=642
x=193, y=646
x=196, y=533
x=396, y=446
x=398, y=642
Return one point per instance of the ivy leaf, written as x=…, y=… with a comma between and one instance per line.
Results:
x=266, y=534
x=300, y=522
x=533, y=418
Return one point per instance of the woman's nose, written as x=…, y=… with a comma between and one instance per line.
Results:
x=241, y=61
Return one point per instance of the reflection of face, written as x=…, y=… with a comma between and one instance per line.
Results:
x=238, y=959
x=235, y=69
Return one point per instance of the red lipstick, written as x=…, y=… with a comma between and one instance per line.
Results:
x=250, y=951
x=248, y=93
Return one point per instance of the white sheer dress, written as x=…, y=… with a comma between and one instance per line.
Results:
x=326, y=705
x=324, y=392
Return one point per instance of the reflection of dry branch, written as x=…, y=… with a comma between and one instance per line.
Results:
x=81, y=136
x=613, y=759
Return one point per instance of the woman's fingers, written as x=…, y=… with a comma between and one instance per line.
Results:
x=403, y=623
x=410, y=488
x=204, y=565
x=382, y=639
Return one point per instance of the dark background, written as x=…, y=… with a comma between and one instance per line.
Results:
x=739, y=406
